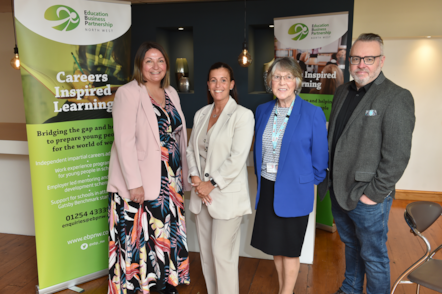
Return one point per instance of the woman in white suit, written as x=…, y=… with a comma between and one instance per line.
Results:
x=218, y=148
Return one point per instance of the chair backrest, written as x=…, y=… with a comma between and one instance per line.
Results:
x=422, y=214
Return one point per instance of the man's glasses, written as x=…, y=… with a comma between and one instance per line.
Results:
x=368, y=60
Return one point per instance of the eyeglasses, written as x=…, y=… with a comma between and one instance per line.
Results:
x=288, y=78
x=368, y=60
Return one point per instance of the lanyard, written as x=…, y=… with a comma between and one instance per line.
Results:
x=275, y=136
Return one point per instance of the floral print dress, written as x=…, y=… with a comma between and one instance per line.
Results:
x=147, y=243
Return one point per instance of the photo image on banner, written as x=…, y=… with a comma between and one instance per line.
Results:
x=319, y=45
x=74, y=56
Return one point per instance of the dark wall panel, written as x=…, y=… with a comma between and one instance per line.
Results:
x=217, y=29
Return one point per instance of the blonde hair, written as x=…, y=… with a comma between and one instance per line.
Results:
x=329, y=85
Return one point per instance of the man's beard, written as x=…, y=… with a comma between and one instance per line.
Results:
x=369, y=78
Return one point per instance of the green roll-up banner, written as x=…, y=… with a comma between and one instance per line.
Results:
x=319, y=44
x=74, y=55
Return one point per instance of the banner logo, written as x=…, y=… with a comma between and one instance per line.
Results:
x=299, y=30
x=65, y=17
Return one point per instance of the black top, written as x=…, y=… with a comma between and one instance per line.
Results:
x=354, y=96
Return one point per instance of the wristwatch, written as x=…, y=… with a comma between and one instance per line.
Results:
x=213, y=182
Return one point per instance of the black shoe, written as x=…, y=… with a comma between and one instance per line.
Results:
x=170, y=289
x=339, y=291
x=154, y=289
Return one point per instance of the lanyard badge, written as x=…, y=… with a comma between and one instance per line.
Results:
x=273, y=166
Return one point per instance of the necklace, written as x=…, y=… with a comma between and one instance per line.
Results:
x=215, y=115
x=161, y=103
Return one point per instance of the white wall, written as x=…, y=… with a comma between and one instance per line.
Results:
x=399, y=19
x=412, y=62
x=12, y=107
x=16, y=209
x=416, y=66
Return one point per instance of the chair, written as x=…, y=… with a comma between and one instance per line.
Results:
x=426, y=271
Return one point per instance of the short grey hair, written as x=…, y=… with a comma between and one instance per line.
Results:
x=370, y=37
x=285, y=64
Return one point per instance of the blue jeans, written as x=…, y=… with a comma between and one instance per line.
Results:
x=364, y=233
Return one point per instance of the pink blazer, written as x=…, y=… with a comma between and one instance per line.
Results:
x=136, y=154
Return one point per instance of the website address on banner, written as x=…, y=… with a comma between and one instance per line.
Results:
x=88, y=237
x=83, y=221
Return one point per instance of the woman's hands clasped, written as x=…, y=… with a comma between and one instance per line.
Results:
x=137, y=195
x=202, y=189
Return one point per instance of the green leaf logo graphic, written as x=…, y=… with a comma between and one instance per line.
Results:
x=65, y=17
x=300, y=31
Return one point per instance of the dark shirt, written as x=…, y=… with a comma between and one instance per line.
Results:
x=352, y=100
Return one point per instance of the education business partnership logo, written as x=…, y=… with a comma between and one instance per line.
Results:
x=299, y=30
x=67, y=18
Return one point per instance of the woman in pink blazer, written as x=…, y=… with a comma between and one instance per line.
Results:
x=147, y=235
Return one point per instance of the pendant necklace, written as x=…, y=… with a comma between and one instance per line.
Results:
x=216, y=115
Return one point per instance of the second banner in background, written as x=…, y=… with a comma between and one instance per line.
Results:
x=319, y=44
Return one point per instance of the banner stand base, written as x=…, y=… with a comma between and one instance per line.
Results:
x=76, y=289
x=330, y=229
x=71, y=283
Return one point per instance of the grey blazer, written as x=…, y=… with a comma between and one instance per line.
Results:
x=374, y=149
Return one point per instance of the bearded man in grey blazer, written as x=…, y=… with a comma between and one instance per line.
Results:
x=371, y=126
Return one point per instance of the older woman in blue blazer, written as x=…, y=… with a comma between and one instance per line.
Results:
x=291, y=156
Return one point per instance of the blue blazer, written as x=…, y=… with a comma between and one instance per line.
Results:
x=303, y=158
